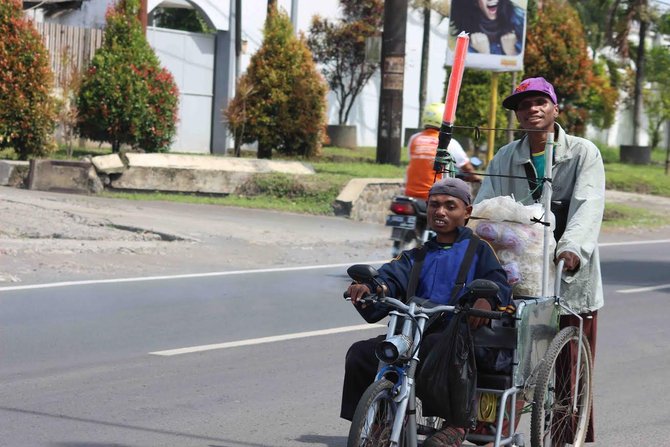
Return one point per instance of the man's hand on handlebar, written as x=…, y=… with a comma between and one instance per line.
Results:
x=477, y=322
x=571, y=261
x=358, y=291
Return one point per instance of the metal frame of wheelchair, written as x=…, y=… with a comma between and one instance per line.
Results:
x=535, y=326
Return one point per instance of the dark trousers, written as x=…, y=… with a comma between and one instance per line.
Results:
x=360, y=369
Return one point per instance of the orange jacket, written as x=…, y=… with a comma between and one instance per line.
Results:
x=420, y=175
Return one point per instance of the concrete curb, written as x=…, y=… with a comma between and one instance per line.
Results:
x=367, y=199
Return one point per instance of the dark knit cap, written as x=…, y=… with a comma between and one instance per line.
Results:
x=453, y=187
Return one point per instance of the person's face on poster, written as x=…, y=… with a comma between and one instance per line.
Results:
x=496, y=29
x=489, y=8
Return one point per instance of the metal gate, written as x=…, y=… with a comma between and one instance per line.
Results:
x=190, y=59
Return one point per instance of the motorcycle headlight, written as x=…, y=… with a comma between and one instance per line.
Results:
x=393, y=348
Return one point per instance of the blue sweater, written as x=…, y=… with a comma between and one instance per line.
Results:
x=439, y=271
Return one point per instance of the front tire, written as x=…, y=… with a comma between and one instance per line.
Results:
x=552, y=421
x=374, y=417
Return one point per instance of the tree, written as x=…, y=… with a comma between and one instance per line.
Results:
x=657, y=98
x=27, y=109
x=125, y=95
x=282, y=101
x=623, y=15
x=339, y=46
x=556, y=49
x=474, y=103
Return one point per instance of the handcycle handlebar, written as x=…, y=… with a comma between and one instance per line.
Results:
x=430, y=310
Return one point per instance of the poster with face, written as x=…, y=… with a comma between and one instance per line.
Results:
x=497, y=30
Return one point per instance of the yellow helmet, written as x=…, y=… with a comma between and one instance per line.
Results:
x=432, y=115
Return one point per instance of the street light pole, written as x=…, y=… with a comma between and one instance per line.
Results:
x=389, y=127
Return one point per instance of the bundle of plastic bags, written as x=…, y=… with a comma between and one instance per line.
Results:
x=517, y=236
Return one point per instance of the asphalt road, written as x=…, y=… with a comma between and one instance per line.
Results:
x=80, y=367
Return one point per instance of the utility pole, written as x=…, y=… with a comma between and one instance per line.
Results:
x=389, y=128
x=294, y=16
x=238, y=38
x=143, y=15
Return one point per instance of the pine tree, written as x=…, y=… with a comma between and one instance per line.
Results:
x=284, y=97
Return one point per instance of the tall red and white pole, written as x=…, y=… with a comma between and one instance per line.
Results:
x=443, y=160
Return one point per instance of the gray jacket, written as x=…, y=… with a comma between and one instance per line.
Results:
x=579, y=182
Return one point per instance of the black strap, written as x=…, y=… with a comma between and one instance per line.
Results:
x=465, y=266
x=533, y=184
x=415, y=272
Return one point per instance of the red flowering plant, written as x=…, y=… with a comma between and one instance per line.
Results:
x=125, y=96
x=27, y=108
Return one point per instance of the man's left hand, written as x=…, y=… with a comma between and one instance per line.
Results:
x=571, y=261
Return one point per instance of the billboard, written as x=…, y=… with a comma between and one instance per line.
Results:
x=497, y=30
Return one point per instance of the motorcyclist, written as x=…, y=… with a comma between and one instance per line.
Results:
x=422, y=147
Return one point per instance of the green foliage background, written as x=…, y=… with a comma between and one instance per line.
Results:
x=556, y=49
x=27, y=108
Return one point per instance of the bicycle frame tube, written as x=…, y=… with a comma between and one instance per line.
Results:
x=407, y=395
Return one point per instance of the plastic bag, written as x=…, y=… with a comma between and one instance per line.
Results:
x=447, y=380
x=517, y=237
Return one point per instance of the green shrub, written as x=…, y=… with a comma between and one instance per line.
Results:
x=27, y=109
x=125, y=96
x=284, y=100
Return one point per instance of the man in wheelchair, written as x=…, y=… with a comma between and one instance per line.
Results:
x=454, y=257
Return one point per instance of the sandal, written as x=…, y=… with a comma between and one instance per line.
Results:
x=447, y=437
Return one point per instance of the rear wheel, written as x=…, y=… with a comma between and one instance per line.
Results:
x=553, y=421
x=374, y=417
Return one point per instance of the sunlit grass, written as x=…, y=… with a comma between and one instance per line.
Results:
x=623, y=216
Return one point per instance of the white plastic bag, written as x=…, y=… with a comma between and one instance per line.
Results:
x=517, y=236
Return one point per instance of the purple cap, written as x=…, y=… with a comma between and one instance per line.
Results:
x=530, y=86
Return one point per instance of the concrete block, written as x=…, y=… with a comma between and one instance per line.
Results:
x=108, y=164
x=353, y=201
x=211, y=163
x=179, y=180
x=12, y=172
x=66, y=176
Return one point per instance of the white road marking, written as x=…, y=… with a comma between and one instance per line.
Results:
x=182, y=276
x=258, y=341
x=244, y=272
x=645, y=289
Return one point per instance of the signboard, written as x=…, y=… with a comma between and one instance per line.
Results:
x=497, y=31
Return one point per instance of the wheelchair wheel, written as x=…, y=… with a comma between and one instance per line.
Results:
x=373, y=420
x=553, y=420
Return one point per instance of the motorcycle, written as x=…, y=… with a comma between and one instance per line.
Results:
x=409, y=227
